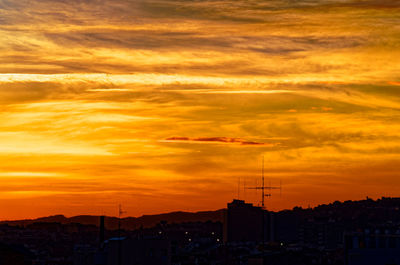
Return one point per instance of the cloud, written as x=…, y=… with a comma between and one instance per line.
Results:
x=210, y=140
x=200, y=40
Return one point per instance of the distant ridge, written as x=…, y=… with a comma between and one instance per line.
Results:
x=128, y=223
x=376, y=210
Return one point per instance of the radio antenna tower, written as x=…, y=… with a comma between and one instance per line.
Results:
x=263, y=188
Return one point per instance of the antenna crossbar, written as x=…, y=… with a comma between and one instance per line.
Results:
x=263, y=187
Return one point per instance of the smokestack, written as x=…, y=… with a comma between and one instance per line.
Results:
x=101, y=235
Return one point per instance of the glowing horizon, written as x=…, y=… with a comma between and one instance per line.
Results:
x=163, y=105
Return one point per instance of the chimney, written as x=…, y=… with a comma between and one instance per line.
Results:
x=101, y=235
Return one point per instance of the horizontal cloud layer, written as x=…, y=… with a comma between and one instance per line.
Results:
x=214, y=139
x=100, y=100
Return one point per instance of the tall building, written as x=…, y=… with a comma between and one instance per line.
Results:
x=244, y=222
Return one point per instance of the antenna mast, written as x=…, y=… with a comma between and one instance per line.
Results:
x=263, y=187
x=238, y=189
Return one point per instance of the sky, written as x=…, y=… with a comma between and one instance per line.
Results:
x=169, y=105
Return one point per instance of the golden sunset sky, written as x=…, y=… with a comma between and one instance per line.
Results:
x=162, y=105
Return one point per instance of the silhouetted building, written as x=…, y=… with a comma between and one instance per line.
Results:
x=379, y=247
x=246, y=223
x=15, y=255
x=152, y=251
x=84, y=255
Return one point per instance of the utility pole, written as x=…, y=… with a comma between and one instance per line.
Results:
x=120, y=212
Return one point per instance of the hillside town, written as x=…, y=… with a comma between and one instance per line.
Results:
x=350, y=232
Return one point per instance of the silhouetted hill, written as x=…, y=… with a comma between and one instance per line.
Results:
x=349, y=215
x=128, y=223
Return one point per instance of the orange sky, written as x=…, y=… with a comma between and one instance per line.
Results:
x=162, y=105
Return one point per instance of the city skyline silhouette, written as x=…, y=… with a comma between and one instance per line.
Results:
x=199, y=132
